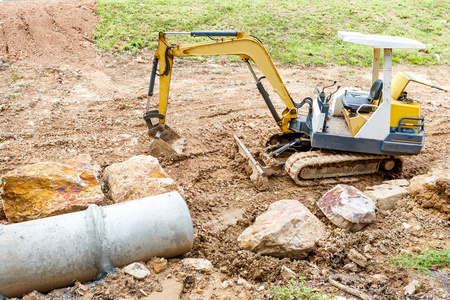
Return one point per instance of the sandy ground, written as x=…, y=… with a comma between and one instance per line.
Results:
x=60, y=97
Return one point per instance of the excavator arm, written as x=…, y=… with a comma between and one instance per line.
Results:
x=247, y=47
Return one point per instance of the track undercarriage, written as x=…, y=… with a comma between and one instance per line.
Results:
x=320, y=164
x=304, y=164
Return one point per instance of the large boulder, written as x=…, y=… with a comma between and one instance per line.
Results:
x=348, y=208
x=139, y=177
x=287, y=229
x=433, y=188
x=50, y=188
x=386, y=195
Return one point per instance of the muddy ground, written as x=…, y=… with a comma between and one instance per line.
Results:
x=60, y=97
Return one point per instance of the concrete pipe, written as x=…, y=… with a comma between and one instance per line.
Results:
x=50, y=253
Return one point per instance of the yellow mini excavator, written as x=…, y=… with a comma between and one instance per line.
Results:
x=355, y=132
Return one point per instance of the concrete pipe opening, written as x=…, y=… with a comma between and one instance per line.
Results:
x=50, y=253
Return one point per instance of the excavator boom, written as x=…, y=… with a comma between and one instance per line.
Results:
x=237, y=43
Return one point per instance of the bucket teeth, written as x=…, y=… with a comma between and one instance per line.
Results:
x=165, y=141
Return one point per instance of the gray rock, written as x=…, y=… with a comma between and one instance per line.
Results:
x=137, y=270
x=287, y=229
x=357, y=258
x=388, y=194
x=348, y=208
x=198, y=264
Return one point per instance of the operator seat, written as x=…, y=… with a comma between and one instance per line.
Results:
x=353, y=101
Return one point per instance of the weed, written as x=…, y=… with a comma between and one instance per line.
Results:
x=293, y=31
x=12, y=95
x=14, y=77
x=295, y=290
x=424, y=260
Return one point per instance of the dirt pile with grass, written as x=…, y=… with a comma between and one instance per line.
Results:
x=48, y=30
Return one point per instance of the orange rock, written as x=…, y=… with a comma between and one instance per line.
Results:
x=50, y=188
x=2, y=212
x=139, y=177
x=159, y=264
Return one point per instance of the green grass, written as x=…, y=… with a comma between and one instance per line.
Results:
x=426, y=259
x=295, y=290
x=293, y=31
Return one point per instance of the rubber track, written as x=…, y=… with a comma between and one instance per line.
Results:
x=319, y=159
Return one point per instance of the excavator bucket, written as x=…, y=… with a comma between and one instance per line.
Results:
x=165, y=142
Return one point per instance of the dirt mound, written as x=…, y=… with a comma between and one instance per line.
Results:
x=48, y=30
x=438, y=198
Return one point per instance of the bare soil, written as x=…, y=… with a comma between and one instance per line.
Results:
x=60, y=97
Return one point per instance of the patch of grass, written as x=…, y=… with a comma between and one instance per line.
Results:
x=295, y=290
x=293, y=31
x=424, y=260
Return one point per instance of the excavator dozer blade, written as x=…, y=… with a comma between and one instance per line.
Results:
x=165, y=142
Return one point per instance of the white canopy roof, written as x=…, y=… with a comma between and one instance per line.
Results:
x=380, y=41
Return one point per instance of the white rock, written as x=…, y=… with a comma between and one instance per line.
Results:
x=405, y=252
x=198, y=264
x=225, y=284
x=287, y=229
x=387, y=194
x=369, y=249
x=137, y=270
x=352, y=267
x=287, y=273
x=357, y=258
x=410, y=289
x=379, y=278
x=244, y=283
x=348, y=208
x=406, y=225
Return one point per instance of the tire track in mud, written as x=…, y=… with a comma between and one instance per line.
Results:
x=26, y=25
x=3, y=40
x=61, y=32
